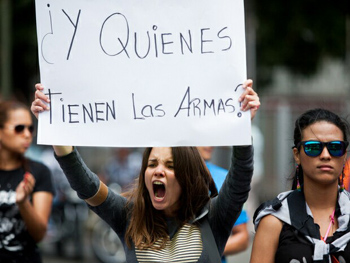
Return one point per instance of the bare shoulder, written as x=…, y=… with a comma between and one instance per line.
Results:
x=271, y=222
x=266, y=240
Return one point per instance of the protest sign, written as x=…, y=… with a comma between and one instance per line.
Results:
x=142, y=73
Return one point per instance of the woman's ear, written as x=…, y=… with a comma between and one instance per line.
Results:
x=296, y=155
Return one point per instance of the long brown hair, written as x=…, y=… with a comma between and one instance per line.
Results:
x=147, y=225
x=5, y=108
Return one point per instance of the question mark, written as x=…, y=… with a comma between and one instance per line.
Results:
x=239, y=114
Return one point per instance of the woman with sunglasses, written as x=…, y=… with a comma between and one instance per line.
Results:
x=26, y=190
x=310, y=223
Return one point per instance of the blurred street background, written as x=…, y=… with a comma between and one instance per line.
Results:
x=298, y=54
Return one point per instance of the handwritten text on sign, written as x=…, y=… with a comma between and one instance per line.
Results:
x=155, y=73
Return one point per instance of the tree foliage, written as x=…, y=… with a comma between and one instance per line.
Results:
x=298, y=34
x=24, y=49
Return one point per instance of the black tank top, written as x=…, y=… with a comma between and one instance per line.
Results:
x=294, y=247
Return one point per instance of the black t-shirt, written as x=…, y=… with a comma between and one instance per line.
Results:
x=294, y=247
x=16, y=245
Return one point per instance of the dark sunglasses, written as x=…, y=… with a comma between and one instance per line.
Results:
x=20, y=128
x=315, y=148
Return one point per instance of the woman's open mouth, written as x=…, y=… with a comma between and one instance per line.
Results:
x=159, y=190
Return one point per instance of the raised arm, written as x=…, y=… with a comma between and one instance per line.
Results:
x=39, y=105
x=94, y=195
x=226, y=207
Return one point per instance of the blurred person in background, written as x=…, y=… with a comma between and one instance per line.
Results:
x=239, y=238
x=311, y=222
x=69, y=213
x=123, y=167
x=26, y=189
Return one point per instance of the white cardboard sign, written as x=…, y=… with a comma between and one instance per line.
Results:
x=142, y=73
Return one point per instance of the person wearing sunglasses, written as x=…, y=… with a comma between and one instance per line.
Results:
x=311, y=222
x=26, y=190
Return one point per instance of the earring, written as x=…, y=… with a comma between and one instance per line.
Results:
x=342, y=180
x=297, y=176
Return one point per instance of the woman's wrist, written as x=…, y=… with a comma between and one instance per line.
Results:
x=63, y=150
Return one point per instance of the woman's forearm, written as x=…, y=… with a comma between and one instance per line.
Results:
x=36, y=215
